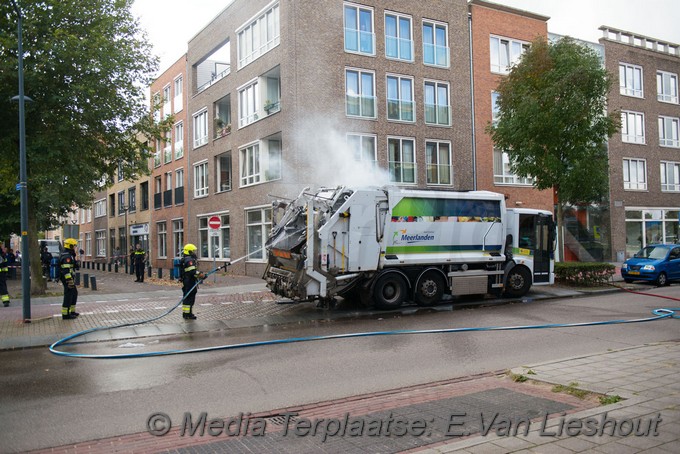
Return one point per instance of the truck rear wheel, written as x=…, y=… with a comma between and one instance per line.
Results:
x=518, y=282
x=390, y=291
x=430, y=288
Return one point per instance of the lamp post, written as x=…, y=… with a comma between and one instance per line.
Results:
x=126, y=208
x=23, y=186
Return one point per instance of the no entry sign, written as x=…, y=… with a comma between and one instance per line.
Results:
x=214, y=222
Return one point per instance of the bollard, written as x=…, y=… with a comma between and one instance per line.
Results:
x=126, y=268
x=109, y=267
x=148, y=271
x=86, y=280
x=93, y=280
x=115, y=268
x=97, y=266
x=77, y=279
x=160, y=273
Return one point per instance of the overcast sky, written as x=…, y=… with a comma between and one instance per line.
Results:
x=171, y=23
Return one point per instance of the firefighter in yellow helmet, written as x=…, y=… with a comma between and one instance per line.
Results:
x=67, y=268
x=188, y=272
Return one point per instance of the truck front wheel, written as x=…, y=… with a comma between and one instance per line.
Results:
x=518, y=282
x=390, y=291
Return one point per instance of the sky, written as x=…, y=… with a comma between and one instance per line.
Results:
x=170, y=24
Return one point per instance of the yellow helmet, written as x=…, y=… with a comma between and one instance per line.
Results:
x=70, y=243
x=189, y=249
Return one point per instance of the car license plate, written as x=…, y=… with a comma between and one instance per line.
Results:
x=634, y=273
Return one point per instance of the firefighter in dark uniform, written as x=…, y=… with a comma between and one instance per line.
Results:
x=139, y=259
x=67, y=268
x=4, y=270
x=188, y=272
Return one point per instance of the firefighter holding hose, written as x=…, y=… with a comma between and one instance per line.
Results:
x=189, y=273
x=67, y=268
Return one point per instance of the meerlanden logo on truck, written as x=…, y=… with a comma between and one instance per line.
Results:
x=402, y=237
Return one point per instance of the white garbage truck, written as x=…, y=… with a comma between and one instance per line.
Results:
x=386, y=246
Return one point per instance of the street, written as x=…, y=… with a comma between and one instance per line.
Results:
x=51, y=401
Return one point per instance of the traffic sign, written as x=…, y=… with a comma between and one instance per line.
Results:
x=214, y=222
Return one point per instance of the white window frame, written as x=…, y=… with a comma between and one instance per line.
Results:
x=401, y=103
x=162, y=236
x=440, y=51
x=261, y=228
x=634, y=174
x=167, y=101
x=404, y=45
x=100, y=242
x=248, y=102
x=438, y=168
x=367, y=102
x=667, y=87
x=441, y=112
x=220, y=185
x=670, y=176
x=200, y=121
x=201, y=179
x=502, y=174
x=178, y=100
x=631, y=80
x=179, y=140
x=258, y=35
x=260, y=162
x=177, y=236
x=179, y=178
x=633, y=127
x=397, y=168
x=354, y=31
x=88, y=244
x=364, y=148
x=505, y=52
x=669, y=128
x=100, y=208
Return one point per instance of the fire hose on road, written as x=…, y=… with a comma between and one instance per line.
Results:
x=658, y=314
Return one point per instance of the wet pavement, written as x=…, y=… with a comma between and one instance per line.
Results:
x=642, y=416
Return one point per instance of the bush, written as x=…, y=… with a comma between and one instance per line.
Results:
x=584, y=274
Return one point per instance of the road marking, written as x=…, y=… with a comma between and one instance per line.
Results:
x=227, y=302
x=136, y=309
x=111, y=311
x=247, y=302
x=205, y=304
x=160, y=307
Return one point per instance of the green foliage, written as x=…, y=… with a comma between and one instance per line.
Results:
x=572, y=389
x=608, y=400
x=584, y=274
x=86, y=67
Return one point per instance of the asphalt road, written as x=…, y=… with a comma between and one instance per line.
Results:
x=48, y=400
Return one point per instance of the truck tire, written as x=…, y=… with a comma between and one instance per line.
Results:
x=518, y=282
x=390, y=291
x=430, y=288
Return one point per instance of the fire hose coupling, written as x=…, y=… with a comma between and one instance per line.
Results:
x=344, y=214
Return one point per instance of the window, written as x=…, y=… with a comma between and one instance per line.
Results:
x=635, y=174
x=222, y=116
x=632, y=127
x=144, y=193
x=121, y=203
x=630, y=80
x=214, y=246
x=363, y=148
x=112, y=205
x=400, y=103
x=223, y=172
x=167, y=110
x=88, y=244
x=200, y=128
x=162, y=234
x=177, y=236
x=201, y=179
x=157, y=154
x=100, y=208
x=156, y=105
x=360, y=93
x=261, y=162
x=670, y=176
x=120, y=171
x=398, y=37
x=359, y=35
x=437, y=110
x=167, y=150
x=100, y=242
x=438, y=160
x=668, y=132
x=435, y=44
x=495, y=112
x=259, y=36
x=502, y=173
x=179, y=91
x=401, y=156
x=248, y=100
x=258, y=225
x=667, y=87
x=179, y=140
x=132, y=199
x=179, y=186
x=505, y=53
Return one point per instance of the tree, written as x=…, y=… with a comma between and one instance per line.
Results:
x=86, y=68
x=554, y=123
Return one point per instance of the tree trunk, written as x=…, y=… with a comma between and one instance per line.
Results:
x=38, y=284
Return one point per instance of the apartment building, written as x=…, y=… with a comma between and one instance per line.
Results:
x=644, y=156
x=500, y=35
x=285, y=95
x=168, y=174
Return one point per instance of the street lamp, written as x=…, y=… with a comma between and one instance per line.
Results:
x=126, y=208
x=23, y=186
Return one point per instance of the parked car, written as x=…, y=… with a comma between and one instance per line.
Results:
x=658, y=263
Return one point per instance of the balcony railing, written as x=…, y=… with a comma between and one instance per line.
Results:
x=157, y=201
x=179, y=195
x=167, y=198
